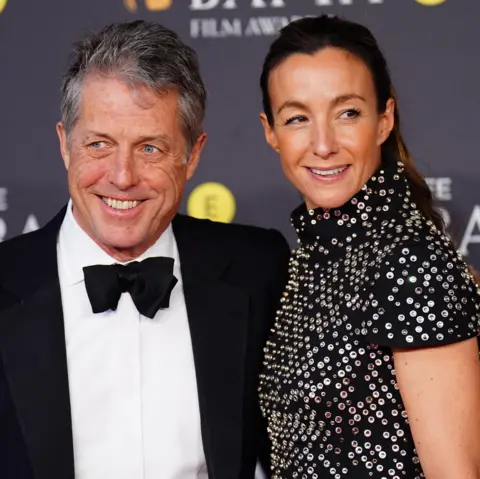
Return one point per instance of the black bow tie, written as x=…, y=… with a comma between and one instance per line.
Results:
x=149, y=283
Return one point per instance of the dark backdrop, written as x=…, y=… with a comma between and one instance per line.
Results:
x=432, y=51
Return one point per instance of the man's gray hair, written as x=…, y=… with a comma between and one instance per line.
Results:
x=141, y=53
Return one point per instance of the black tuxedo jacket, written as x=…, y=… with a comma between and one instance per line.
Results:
x=233, y=277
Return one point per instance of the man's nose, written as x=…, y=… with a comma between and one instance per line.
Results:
x=123, y=170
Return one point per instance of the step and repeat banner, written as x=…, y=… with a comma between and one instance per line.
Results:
x=431, y=45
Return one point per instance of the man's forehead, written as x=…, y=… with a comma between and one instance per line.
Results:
x=114, y=89
x=139, y=135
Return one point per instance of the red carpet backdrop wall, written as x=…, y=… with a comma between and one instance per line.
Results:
x=432, y=47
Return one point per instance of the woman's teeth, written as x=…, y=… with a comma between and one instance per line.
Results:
x=335, y=171
x=120, y=205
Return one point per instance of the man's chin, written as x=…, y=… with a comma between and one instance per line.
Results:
x=120, y=241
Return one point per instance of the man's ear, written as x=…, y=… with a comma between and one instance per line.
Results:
x=62, y=138
x=195, y=154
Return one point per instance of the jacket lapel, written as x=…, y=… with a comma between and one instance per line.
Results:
x=32, y=347
x=218, y=317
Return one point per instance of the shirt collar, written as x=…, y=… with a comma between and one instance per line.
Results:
x=79, y=250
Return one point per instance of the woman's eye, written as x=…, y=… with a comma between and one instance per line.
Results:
x=149, y=149
x=350, y=114
x=295, y=120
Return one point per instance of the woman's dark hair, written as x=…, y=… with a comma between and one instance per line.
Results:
x=311, y=34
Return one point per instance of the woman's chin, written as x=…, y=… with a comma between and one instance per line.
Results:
x=327, y=203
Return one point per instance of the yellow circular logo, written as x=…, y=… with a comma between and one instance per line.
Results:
x=3, y=3
x=212, y=201
x=153, y=5
x=156, y=5
x=431, y=3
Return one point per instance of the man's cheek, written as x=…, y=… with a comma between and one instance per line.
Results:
x=87, y=175
x=166, y=179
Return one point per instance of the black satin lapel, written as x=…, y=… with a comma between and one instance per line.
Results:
x=32, y=344
x=218, y=318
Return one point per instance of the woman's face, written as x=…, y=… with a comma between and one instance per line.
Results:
x=326, y=126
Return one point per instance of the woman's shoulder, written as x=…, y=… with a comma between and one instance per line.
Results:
x=422, y=293
x=423, y=255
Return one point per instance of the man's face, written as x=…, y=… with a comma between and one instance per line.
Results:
x=127, y=164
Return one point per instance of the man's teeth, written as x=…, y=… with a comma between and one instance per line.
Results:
x=336, y=171
x=120, y=205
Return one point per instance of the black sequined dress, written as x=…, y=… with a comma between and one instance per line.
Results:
x=371, y=276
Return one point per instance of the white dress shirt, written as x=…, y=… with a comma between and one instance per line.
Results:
x=133, y=389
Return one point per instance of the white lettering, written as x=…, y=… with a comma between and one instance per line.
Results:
x=3, y=229
x=215, y=28
x=441, y=188
x=469, y=237
x=204, y=4
x=231, y=28
x=205, y=27
x=31, y=224
x=195, y=27
x=265, y=25
x=221, y=28
x=329, y=3
x=3, y=199
x=263, y=4
x=253, y=28
x=232, y=4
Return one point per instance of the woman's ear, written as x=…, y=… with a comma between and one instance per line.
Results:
x=387, y=121
x=269, y=131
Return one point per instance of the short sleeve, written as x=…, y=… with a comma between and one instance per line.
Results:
x=422, y=295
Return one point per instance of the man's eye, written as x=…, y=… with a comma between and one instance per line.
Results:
x=149, y=149
x=96, y=145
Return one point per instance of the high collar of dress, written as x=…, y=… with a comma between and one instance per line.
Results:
x=385, y=197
